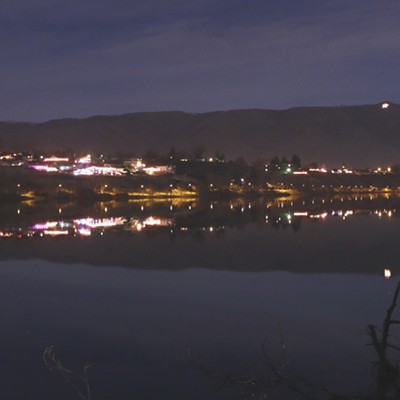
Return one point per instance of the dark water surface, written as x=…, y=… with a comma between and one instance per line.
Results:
x=184, y=301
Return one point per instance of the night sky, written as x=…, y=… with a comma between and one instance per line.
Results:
x=80, y=58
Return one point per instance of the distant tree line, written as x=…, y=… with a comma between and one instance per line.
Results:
x=280, y=164
x=197, y=152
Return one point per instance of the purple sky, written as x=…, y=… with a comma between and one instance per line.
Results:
x=80, y=58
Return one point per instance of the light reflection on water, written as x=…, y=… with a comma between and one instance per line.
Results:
x=185, y=215
x=297, y=235
x=318, y=279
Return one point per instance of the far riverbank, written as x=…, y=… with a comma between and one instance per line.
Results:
x=20, y=184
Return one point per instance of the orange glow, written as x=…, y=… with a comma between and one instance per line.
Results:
x=56, y=159
x=55, y=233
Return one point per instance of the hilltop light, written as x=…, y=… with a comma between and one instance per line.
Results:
x=387, y=273
x=385, y=105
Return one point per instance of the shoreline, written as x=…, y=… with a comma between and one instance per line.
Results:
x=23, y=185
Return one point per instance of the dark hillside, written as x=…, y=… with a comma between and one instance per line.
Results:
x=357, y=135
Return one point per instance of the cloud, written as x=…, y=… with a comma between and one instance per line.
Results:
x=103, y=56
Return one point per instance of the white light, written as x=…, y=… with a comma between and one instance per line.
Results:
x=385, y=105
x=84, y=232
x=99, y=223
x=44, y=226
x=387, y=273
x=151, y=221
x=85, y=160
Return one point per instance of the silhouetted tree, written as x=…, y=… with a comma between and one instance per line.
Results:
x=284, y=161
x=198, y=152
x=181, y=154
x=314, y=164
x=295, y=161
x=219, y=156
x=171, y=155
x=259, y=163
x=151, y=155
x=396, y=169
x=275, y=164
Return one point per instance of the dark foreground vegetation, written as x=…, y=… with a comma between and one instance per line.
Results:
x=271, y=378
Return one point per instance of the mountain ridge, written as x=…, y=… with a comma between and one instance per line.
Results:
x=357, y=135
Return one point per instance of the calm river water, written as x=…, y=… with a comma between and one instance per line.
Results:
x=195, y=301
